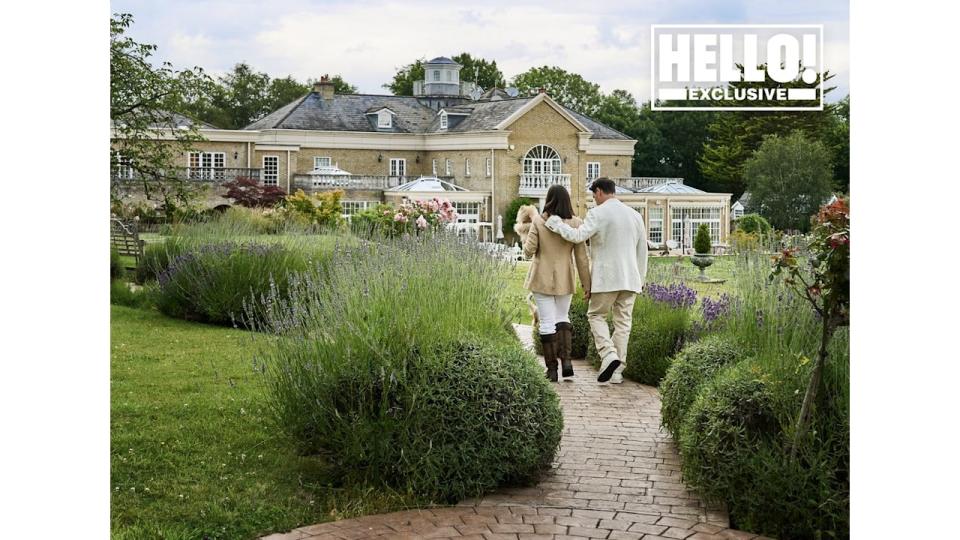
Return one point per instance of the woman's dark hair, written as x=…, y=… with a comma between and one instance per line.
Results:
x=558, y=202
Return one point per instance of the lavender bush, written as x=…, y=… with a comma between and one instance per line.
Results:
x=399, y=367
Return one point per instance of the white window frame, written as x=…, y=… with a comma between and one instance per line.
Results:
x=398, y=167
x=271, y=178
x=444, y=122
x=206, y=165
x=655, y=232
x=449, y=76
x=348, y=208
x=434, y=163
x=436, y=75
x=489, y=167
x=318, y=161
x=124, y=168
x=595, y=173
x=466, y=167
x=384, y=119
x=448, y=167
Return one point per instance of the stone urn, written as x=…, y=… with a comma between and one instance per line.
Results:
x=702, y=261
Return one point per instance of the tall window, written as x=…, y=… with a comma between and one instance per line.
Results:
x=449, y=76
x=398, y=167
x=123, y=169
x=434, y=163
x=467, y=211
x=436, y=74
x=271, y=170
x=206, y=165
x=443, y=121
x=489, y=166
x=350, y=208
x=321, y=162
x=655, y=234
x=384, y=119
x=449, y=167
x=593, y=170
x=541, y=160
x=684, y=223
x=466, y=167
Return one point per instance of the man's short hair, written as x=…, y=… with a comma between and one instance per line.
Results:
x=603, y=184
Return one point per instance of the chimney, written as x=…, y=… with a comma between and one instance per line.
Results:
x=324, y=87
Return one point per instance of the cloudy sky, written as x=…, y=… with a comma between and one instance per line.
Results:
x=365, y=41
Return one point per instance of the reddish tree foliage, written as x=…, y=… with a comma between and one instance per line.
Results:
x=251, y=193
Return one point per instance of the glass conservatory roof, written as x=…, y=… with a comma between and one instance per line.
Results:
x=428, y=183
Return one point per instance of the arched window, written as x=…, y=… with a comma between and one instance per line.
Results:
x=541, y=159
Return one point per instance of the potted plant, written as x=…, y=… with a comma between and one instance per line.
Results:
x=702, y=258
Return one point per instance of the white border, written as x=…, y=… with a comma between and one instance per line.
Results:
x=653, y=79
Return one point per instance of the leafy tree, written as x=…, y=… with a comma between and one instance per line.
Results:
x=510, y=215
x=484, y=73
x=569, y=89
x=789, y=178
x=243, y=96
x=141, y=100
x=671, y=143
x=282, y=91
x=402, y=84
x=252, y=194
x=735, y=135
x=619, y=110
x=838, y=140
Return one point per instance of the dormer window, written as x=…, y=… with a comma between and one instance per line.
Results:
x=384, y=119
x=443, y=120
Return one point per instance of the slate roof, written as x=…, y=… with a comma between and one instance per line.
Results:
x=673, y=188
x=442, y=60
x=354, y=112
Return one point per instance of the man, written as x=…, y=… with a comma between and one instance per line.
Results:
x=618, y=257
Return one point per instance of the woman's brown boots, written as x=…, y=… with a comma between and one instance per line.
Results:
x=565, y=341
x=551, y=349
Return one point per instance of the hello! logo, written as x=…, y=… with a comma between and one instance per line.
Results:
x=736, y=67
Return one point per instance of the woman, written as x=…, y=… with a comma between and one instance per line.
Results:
x=550, y=279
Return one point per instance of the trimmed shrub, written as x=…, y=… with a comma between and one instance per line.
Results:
x=701, y=242
x=729, y=420
x=753, y=223
x=733, y=448
x=581, y=338
x=657, y=334
x=377, y=370
x=696, y=365
x=116, y=265
x=212, y=283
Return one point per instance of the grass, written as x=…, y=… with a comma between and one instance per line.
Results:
x=193, y=452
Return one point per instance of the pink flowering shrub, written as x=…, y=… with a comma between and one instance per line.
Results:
x=411, y=217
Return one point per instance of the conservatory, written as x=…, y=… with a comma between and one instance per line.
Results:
x=672, y=211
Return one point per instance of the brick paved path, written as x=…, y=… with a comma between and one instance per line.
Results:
x=616, y=476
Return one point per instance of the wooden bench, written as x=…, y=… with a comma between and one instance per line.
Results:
x=125, y=238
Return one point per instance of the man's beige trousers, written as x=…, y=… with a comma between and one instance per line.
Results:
x=621, y=303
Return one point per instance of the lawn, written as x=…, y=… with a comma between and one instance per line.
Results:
x=193, y=452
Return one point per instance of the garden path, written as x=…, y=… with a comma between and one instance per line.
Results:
x=616, y=476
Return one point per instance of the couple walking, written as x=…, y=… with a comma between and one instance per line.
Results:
x=611, y=278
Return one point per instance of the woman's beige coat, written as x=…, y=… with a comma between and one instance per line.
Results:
x=552, y=269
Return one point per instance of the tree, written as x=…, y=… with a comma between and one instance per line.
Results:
x=250, y=193
x=735, y=135
x=282, y=91
x=789, y=178
x=837, y=140
x=569, y=89
x=243, y=96
x=142, y=98
x=403, y=79
x=484, y=73
x=671, y=143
